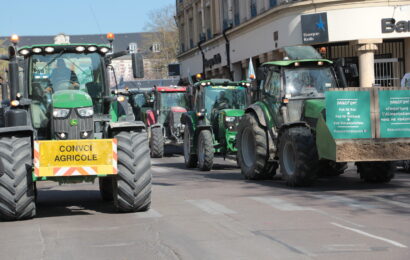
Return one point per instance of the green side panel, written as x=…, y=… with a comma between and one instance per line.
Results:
x=114, y=111
x=71, y=99
x=348, y=114
x=394, y=113
x=314, y=107
x=326, y=145
x=234, y=112
x=194, y=119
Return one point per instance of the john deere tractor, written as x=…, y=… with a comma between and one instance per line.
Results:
x=211, y=124
x=63, y=124
x=310, y=124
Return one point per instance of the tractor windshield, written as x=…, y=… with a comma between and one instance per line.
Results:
x=62, y=71
x=221, y=97
x=172, y=99
x=308, y=82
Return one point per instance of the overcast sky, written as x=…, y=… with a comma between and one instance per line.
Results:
x=51, y=17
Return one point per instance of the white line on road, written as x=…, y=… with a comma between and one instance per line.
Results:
x=152, y=213
x=370, y=235
x=280, y=204
x=211, y=207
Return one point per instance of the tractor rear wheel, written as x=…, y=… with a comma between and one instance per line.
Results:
x=191, y=160
x=157, y=143
x=17, y=196
x=132, y=191
x=253, y=150
x=376, y=172
x=205, y=150
x=106, y=188
x=298, y=156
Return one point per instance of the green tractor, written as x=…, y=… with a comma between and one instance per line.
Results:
x=307, y=122
x=211, y=125
x=63, y=124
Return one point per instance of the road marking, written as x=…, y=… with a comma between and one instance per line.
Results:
x=152, y=213
x=211, y=207
x=280, y=204
x=345, y=201
x=288, y=246
x=370, y=235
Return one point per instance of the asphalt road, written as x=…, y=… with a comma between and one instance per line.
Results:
x=218, y=215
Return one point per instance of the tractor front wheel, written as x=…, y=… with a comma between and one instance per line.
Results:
x=157, y=143
x=191, y=160
x=253, y=150
x=205, y=150
x=17, y=196
x=132, y=191
x=298, y=157
x=376, y=172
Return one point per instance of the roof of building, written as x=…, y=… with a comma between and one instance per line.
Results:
x=121, y=42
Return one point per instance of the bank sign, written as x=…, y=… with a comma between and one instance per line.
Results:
x=314, y=28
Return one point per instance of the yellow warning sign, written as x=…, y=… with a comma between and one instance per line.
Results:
x=57, y=157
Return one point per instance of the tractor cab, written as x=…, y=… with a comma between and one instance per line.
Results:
x=169, y=101
x=221, y=101
x=296, y=84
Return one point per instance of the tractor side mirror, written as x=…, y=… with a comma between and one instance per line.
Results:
x=137, y=65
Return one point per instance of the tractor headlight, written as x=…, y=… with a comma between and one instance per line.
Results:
x=85, y=111
x=60, y=112
x=230, y=119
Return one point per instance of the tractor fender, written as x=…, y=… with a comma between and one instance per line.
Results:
x=17, y=130
x=260, y=115
x=134, y=126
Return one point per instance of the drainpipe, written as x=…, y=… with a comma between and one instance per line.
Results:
x=228, y=50
x=227, y=43
x=203, y=57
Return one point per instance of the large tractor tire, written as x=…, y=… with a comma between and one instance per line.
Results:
x=191, y=160
x=106, y=188
x=253, y=150
x=157, y=143
x=331, y=169
x=298, y=157
x=376, y=172
x=205, y=150
x=132, y=191
x=17, y=196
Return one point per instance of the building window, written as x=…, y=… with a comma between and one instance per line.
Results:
x=253, y=8
x=156, y=47
x=273, y=3
x=133, y=47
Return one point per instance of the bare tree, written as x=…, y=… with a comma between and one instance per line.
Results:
x=163, y=40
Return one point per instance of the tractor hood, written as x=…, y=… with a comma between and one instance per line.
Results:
x=313, y=107
x=71, y=99
x=233, y=112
